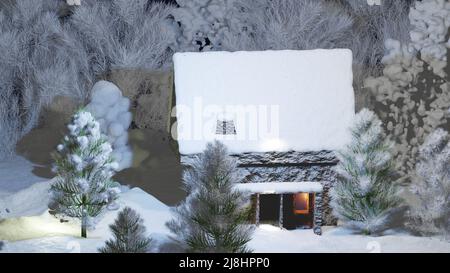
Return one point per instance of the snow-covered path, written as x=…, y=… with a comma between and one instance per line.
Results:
x=335, y=239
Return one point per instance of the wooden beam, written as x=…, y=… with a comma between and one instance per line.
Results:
x=257, y=210
x=280, y=220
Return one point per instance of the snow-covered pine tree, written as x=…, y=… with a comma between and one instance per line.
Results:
x=213, y=218
x=431, y=213
x=84, y=168
x=129, y=234
x=365, y=195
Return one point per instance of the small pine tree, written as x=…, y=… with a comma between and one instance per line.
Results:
x=84, y=169
x=129, y=234
x=365, y=195
x=213, y=218
x=431, y=214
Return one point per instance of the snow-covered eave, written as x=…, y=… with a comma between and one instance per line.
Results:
x=280, y=187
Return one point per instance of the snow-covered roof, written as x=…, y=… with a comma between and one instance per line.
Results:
x=280, y=187
x=275, y=100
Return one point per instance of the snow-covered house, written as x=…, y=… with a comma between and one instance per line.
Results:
x=282, y=114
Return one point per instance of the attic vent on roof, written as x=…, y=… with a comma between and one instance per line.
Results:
x=225, y=127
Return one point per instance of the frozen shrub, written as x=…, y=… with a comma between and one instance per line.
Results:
x=42, y=62
x=412, y=95
x=203, y=25
x=431, y=213
x=129, y=234
x=365, y=195
x=124, y=34
x=299, y=25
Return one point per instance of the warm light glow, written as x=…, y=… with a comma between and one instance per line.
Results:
x=301, y=203
x=269, y=228
x=44, y=225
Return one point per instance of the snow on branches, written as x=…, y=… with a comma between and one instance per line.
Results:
x=431, y=20
x=129, y=234
x=365, y=195
x=40, y=61
x=214, y=216
x=203, y=24
x=124, y=34
x=84, y=168
x=412, y=96
x=431, y=213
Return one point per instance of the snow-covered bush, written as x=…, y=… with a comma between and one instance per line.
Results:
x=84, y=168
x=292, y=24
x=129, y=234
x=73, y=2
x=124, y=34
x=373, y=25
x=430, y=20
x=203, y=24
x=365, y=195
x=39, y=61
x=412, y=96
x=214, y=216
x=431, y=186
x=111, y=110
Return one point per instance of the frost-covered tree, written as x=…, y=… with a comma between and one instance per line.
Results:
x=373, y=25
x=124, y=34
x=84, y=167
x=365, y=195
x=39, y=61
x=203, y=24
x=290, y=24
x=213, y=218
x=300, y=25
x=412, y=97
x=430, y=213
x=129, y=234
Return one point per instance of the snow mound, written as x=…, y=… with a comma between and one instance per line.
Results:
x=16, y=174
x=111, y=110
x=277, y=100
x=27, y=202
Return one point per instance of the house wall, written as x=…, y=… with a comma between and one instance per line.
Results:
x=288, y=167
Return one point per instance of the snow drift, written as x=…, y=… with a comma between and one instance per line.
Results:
x=111, y=110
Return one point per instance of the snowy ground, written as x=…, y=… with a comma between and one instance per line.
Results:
x=29, y=228
x=337, y=240
x=43, y=233
x=16, y=174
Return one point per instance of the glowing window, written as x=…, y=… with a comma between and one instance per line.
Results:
x=301, y=203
